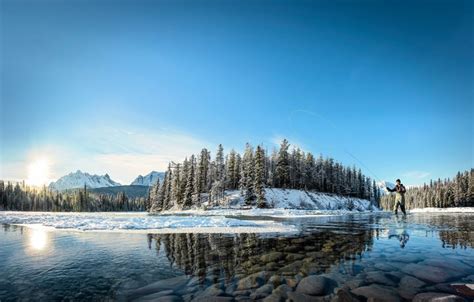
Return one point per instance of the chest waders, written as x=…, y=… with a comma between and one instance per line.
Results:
x=399, y=201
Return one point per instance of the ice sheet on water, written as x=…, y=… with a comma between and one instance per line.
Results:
x=133, y=221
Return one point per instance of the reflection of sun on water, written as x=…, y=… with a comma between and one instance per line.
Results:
x=38, y=239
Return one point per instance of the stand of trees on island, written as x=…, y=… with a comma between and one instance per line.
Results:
x=21, y=197
x=456, y=192
x=201, y=180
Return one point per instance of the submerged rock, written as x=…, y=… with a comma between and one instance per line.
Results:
x=155, y=296
x=272, y=257
x=377, y=292
x=273, y=298
x=213, y=290
x=409, y=286
x=298, y=297
x=213, y=299
x=381, y=278
x=171, y=283
x=431, y=273
x=437, y=297
x=262, y=292
x=316, y=286
x=282, y=291
x=253, y=281
x=446, y=263
x=344, y=295
x=171, y=298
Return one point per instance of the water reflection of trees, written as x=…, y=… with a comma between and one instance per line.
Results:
x=454, y=231
x=219, y=256
x=453, y=239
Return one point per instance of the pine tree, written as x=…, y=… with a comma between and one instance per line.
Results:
x=230, y=171
x=153, y=197
x=260, y=177
x=220, y=167
x=283, y=166
x=176, y=194
x=188, y=195
x=167, y=188
x=247, y=175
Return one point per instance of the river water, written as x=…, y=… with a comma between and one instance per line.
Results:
x=338, y=258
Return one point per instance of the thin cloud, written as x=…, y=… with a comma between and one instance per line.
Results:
x=417, y=174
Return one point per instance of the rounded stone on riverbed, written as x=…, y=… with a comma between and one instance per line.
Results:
x=272, y=257
x=377, y=293
x=438, y=297
x=431, y=273
x=282, y=291
x=262, y=292
x=252, y=281
x=171, y=298
x=316, y=286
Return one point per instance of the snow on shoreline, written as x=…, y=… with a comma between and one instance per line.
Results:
x=278, y=199
x=443, y=210
x=255, y=212
x=142, y=222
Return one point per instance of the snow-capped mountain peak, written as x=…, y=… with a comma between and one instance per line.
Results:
x=149, y=179
x=78, y=179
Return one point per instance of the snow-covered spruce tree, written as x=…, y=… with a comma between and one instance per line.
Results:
x=218, y=177
x=176, y=194
x=153, y=195
x=309, y=168
x=201, y=176
x=260, y=177
x=231, y=173
x=271, y=175
x=282, y=171
x=247, y=175
x=238, y=169
x=183, y=181
x=188, y=193
x=167, y=188
x=220, y=165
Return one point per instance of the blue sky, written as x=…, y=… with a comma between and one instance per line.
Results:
x=122, y=87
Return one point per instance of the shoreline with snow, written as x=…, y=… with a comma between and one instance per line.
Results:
x=141, y=222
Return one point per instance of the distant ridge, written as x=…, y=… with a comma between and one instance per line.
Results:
x=149, y=179
x=78, y=179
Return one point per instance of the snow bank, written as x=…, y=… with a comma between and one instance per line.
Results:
x=142, y=222
x=443, y=210
x=273, y=213
x=300, y=200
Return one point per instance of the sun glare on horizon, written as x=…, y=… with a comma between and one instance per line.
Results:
x=38, y=172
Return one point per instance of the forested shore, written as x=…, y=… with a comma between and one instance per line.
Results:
x=456, y=192
x=21, y=197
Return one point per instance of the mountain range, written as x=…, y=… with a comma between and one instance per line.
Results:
x=78, y=179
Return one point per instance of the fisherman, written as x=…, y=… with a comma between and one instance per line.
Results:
x=399, y=196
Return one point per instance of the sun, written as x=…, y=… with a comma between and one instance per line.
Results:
x=38, y=172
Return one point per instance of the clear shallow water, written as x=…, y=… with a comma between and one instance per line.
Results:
x=360, y=256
